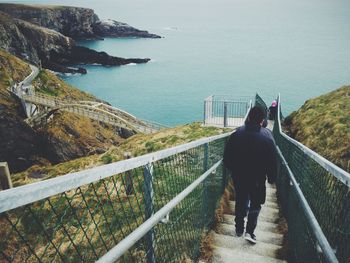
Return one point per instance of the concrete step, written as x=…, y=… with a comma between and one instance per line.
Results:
x=272, y=186
x=271, y=192
x=224, y=255
x=271, y=204
x=261, y=235
x=240, y=244
x=263, y=225
x=268, y=213
x=272, y=199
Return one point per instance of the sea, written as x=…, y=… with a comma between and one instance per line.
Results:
x=298, y=48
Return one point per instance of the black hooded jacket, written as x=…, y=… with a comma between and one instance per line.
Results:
x=250, y=155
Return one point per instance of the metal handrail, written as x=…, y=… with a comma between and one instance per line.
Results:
x=335, y=170
x=135, y=124
x=26, y=194
x=313, y=223
x=124, y=245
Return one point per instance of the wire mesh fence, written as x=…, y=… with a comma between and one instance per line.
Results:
x=84, y=223
x=326, y=189
x=302, y=243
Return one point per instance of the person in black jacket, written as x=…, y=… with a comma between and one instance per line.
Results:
x=250, y=155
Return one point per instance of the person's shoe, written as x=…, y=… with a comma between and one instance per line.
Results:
x=239, y=234
x=250, y=237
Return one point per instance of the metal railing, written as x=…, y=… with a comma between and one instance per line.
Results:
x=154, y=207
x=315, y=198
x=224, y=111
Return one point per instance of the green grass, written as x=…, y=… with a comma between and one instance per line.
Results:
x=323, y=124
x=136, y=145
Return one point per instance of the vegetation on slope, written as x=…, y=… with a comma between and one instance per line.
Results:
x=19, y=144
x=49, y=84
x=65, y=137
x=135, y=146
x=323, y=124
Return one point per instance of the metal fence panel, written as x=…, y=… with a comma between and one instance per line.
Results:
x=82, y=223
x=327, y=195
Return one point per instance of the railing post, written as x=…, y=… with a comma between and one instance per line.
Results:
x=205, y=112
x=205, y=186
x=5, y=178
x=225, y=114
x=148, y=177
x=206, y=157
x=129, y=185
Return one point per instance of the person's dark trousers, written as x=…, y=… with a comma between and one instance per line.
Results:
x=245, y=205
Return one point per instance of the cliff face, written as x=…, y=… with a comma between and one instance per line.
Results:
x=75, y=22
x=323, y=124
x=66, y=137
x=29, y=41
x=44, y=34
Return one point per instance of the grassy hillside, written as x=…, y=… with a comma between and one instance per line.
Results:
x=323, y=124
x=136, y=145
x=49, y=84
x=65, y=137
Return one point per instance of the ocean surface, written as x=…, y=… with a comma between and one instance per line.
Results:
x=299, y=48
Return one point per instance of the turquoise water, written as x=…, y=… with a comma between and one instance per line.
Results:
x=300, y=48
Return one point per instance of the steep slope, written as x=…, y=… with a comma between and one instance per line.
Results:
x=135, y=146
x=323, y=124
x=29, y=41
x=64, y=138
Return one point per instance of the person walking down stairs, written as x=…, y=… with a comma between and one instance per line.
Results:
x=250, y=155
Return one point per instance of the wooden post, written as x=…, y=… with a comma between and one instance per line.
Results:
x=5, y=178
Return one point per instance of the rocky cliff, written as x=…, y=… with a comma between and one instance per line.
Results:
x=323, y=124
x=66, y=137
x=74, y=22
x=42, y=34
x=29, y=41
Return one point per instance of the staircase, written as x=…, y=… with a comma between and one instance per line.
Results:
x=228, y=248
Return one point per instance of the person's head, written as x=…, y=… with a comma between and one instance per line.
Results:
x=256, y=115
x=274, y=103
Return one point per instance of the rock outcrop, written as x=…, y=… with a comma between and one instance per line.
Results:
x=112, y=28
x=44, y=34
x=31, y=42
x=74, y=22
